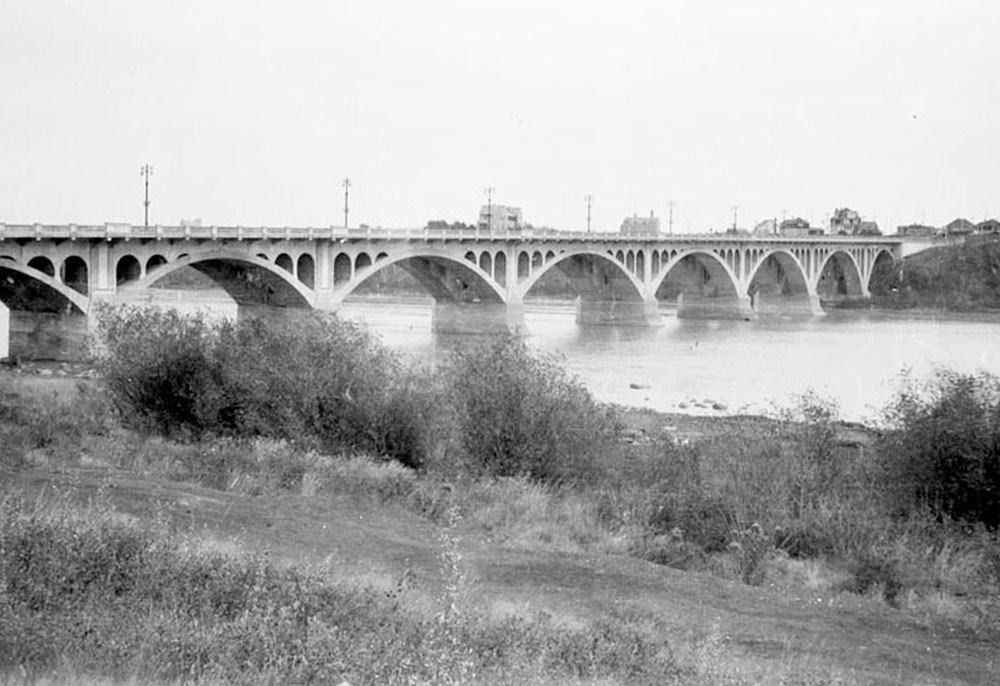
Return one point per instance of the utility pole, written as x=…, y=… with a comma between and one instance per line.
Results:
x=146, y=171
x=489, y=208
x=589, y=198
x=347, y=188
x=670, y=217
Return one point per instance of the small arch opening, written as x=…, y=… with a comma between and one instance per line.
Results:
x=342, y=268
x=128, y=269
x=75, y=274
x=42, y=264
x=306, y=270
x=154, y=262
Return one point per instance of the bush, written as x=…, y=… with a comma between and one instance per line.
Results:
x=157, y=365
x=309, y=379
x=520, y=414
x=941, y=447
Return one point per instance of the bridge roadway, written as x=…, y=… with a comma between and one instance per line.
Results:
x=479, y=280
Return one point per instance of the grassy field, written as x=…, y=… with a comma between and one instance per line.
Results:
x=484, y=580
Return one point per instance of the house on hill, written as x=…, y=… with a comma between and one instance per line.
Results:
x=916, y=231
x=845, y=221
x=868, y=228
x=988, y=226
x=499, y=218
x=768, y=227
x=641, y=226
x=959, y=227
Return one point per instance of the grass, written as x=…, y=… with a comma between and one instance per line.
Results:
x=510, y=562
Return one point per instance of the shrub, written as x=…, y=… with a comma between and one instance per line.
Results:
x=309, y=379
x=941, y=447
x=157, y=365
x=520, y=414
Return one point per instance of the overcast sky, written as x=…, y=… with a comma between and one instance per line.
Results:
x=252, y=113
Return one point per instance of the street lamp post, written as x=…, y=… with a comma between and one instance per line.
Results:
x=489, y=208
x=347, y=188
x=590, y=199
x=146, y=172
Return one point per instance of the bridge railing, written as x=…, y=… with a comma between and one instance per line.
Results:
x=120, y=231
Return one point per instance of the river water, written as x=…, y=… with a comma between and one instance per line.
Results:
x=851, y=357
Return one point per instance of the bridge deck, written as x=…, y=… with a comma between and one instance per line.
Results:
x=113, y=232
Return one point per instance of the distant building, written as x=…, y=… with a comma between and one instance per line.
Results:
x=988, y=226
x=641, y=226
x=794, y=223
x=768, y=227
x=959, y=227
x=442, y=225
x=916, y=231
x=500, y=218
x=869, y=228
x=845, y=221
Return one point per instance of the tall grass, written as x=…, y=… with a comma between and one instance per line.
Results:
x=85, y=591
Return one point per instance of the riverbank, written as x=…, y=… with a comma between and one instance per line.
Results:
x=516, y=554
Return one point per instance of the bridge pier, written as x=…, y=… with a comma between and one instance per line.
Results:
x=617, y=312
x=805, y=304
x=4, y=331
x=697, y=306
x=453, y=317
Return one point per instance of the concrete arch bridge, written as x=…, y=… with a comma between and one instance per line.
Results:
x=478, y=280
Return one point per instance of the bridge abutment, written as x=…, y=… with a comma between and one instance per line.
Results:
x=617, y=312
x=477, y=318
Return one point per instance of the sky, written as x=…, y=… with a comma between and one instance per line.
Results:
x=252, y=113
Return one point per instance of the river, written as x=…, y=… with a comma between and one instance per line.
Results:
x=851, y=357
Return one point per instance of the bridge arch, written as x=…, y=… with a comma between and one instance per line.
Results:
x=593, y=272
x=53, y=296
x=701, y=283
x=778, y=282
x=446, y=276
x=883, y=273
x=249, y=280
x=839, y=277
